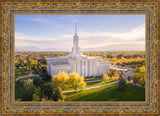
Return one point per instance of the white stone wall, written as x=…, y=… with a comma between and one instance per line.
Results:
x=92, y=67
x=55, y=69
x=101, y=68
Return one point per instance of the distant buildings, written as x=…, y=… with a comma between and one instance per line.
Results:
x=77, y=62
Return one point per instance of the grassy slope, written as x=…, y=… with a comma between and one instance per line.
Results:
x=92, y=84
x=108, y=93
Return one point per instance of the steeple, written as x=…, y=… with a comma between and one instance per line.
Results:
x=75, y=28
x=75, y=48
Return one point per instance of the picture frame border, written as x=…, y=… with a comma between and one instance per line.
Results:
x=9, y=106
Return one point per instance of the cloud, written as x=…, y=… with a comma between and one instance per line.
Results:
x=48, y=22
x=98, y=39
x=69, y=17
x=87, y=39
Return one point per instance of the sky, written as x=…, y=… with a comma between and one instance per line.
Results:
x=96, y=32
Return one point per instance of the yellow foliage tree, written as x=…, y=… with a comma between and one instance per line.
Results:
x=105, y=76
x=76, y=82
x=115, y=76
x=60, y=80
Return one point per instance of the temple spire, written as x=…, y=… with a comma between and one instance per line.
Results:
x=75, y=28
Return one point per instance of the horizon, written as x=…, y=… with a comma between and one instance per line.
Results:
x=96, y=32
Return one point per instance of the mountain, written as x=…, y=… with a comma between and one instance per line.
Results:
x=118, y=47
x=114, y=47
x=33, y=48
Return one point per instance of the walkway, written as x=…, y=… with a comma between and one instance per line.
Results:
x=30, y=75
x=91, y=87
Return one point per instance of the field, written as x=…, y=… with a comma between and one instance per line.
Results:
x=108, y=93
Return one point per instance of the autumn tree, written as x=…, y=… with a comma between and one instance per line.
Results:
x=60, y=80
x=76, y=82
x=115, y=76
x=105, y=77
x=29, y=84
x=139, y=76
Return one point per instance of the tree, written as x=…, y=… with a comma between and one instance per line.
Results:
x=142, y=80
x=29, y=84
x=105, y=76
x=139, y=75
x=60, y=80
x=58, y=95
x=48, y=91
x=38, y=82
x=119, y=56
x=129, y=78
x=115, y=76
x=20, y=82
x=76, y=82
x=136, y=78
x=17, y=66
x=27, y=94
x=38, y=94
x=122, y=84
x=28, y=91
x=143, y=77
x=112, y=73
x=45, y=60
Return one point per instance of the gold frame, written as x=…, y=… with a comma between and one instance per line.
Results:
x=10, y=9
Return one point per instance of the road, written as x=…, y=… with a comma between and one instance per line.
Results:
x=30, y=75
x=91, y=87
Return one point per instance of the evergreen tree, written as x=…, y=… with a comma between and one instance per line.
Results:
x=122, y=84
x=129, y=78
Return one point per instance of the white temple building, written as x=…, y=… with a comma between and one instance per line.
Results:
x=77, y=62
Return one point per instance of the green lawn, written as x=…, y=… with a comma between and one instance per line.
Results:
x=18, y=72
x=93, y=78
x=99, y=83
x=108, y=93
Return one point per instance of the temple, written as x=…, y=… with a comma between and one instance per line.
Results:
x=85, y=66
